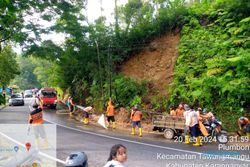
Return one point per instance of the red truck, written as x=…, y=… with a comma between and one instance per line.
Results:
x=48, y=97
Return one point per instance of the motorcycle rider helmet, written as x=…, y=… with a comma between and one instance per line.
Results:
x=77, y=159
x=204, y=111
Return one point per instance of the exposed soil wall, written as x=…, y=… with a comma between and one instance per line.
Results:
x=155, y=64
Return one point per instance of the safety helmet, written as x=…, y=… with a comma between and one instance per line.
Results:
x=204, y=111
x=77, y=159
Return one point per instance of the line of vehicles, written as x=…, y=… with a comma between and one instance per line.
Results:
x=48, y=97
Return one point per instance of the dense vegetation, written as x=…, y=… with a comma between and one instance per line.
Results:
x=212, y=69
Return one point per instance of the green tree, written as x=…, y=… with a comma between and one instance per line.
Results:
x=26, y=79
x=14, y=15
x=8, y=66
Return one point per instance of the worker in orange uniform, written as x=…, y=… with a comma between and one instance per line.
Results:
x=110, y=113
x=36, y=121
x=180, y=110
x=172, y=111
x=136, y=116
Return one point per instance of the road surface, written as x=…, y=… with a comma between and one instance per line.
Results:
x=149, y=151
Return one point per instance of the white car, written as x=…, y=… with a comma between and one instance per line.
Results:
x=28, y=94
x=16, y=100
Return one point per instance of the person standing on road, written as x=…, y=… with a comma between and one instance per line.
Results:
x=110, y=113
x=71, y=106
x=36, y=100
x=136, y=116
x=36, y=121
x=186, y=129
x=117, y=156
x=192, y=121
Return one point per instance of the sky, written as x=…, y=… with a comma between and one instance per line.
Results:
x=93, y=12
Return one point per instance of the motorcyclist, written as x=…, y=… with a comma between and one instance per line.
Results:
x=209, y=119
x=208, y=116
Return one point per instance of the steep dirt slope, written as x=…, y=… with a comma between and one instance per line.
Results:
x=155, y=64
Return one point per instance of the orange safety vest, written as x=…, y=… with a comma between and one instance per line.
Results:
x=110, y=110
x=136, y=115
x=172, y=113
x=36, y=117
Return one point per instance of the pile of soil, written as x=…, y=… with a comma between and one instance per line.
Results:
x=155, y=64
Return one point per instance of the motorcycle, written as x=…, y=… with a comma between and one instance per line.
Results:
x=215, y=131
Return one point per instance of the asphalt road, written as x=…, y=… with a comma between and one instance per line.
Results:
x=149, y=151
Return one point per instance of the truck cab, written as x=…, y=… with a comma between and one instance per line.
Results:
x=48, y=97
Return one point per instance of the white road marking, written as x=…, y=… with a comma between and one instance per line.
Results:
x=40, y=153
x=136, y=142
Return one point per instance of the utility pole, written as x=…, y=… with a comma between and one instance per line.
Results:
x=116, y=20
x=99, y=67
x=110, y=72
